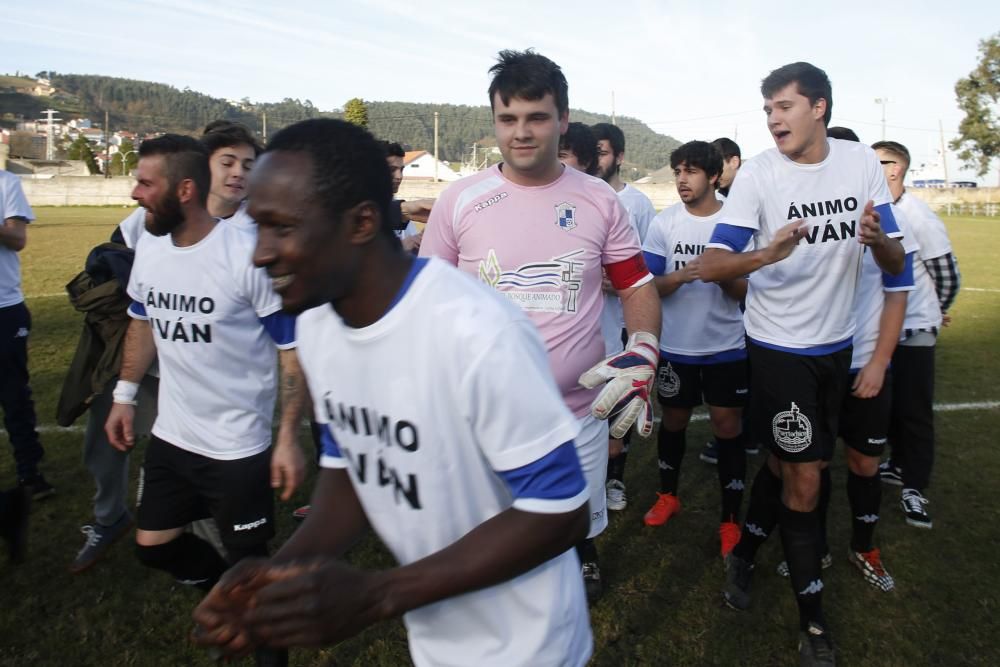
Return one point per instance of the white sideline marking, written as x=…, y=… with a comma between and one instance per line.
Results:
x=978, y=289
x=700, y=417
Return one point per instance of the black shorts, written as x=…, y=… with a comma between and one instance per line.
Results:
x=795, y=401
x=177, y=487
x=864, y=422
x=722, y=385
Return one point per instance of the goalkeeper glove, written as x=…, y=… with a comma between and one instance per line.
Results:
x=629, y=377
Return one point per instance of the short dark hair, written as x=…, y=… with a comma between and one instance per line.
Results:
x=183, y=158
x=610, y=133
x=529, y=76
x=845, y=133
x=896, y=148
x=392, y=149
x=700, y=154
x=348, y=164
x=811, y=81
x=727, y=147
x=225, y=133
x=580, y=140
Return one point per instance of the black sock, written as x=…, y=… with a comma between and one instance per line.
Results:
x=670, y=447
x=800, y=538
x=587, y=551
x=762, y=514
x=616, y=467
x=865, y=496
x=188, y=559
x=823, y=507
x=732, y=470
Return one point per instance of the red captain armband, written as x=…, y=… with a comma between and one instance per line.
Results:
x=628, y=272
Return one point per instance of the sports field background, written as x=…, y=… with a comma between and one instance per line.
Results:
x=662, y=604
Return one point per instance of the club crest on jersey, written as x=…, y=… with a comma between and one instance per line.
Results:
x=566, y=216
x=667, y=381
x=792, y=430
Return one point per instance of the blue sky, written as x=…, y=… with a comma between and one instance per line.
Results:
x=691, y=70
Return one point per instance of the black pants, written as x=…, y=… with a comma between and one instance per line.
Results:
x=15, y=394
x=911, y=429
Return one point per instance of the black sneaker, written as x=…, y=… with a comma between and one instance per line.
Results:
x=710, y=454
x=816, y=648
x=915, y=508
x=14, y=524
x=736, y=592
x=592, y=581
x=40, y=489
x=99, y=540
x=890, y=474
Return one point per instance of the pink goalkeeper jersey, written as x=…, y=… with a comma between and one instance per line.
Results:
x=543, y=248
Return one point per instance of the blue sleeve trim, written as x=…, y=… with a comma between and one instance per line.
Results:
x=327, y=444
x=138, y=310
x=280, y=326
x=732, y=236
x=657, y=264
x=905, y=277
x=888, y=219
x=555, y=476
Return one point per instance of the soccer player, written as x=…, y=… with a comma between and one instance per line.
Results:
x=610, y=155
x=702, y=343
x=403, y=214
x=232, y=150
x=209, y=318
x=543, y=236
x=463, y=464
x=937, y=280
x=829, y=197
x=731, y=163
x=578, y=149
x=15, y=326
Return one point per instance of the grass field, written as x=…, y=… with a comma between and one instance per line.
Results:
x=662, y=604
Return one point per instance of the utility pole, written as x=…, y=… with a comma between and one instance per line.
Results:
x=613, y=118
x=107, y=145
x=944, y=161
x=49, y=137
x=264, y=117
x=437, y=115
x=884, y=101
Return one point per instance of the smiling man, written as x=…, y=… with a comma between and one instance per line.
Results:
x=464, y=465
x=544, y=235
x=814, y=206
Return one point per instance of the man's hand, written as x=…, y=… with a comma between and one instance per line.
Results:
x=288, y=465
x=412, y=243
x=869, y=381
x=120, y=427
x=870, y=232
x=784, y=241
x=417, y=210
x=946, y=320
x=220, y=615
x=628, y=378
x=690, y=271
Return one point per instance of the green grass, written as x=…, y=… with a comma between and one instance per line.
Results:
x=662, y=604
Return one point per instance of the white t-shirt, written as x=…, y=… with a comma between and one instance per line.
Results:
x=807, y=299
x=872, y=286
x=640, y=213
x=699, y=319
x=13, y=204
x=923, y=309
x=217, y=362
x=425, y=445
x=134, y=225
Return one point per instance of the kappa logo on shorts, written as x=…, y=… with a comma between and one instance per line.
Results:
x=792, y=430
x=21, y=333
x=249, y=526
x=566, y=216
x=667, y=381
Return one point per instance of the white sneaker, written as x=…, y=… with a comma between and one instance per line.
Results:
x=615, y=491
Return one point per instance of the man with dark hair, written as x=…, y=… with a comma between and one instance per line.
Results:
x=475, y=488
x=832, y=195
x=731, y=162
x=844, y=133
x=610, y=155
x=937, y=280
x=578, y=149
x=404, y=214
x=702, y=348
x=544, y=236
x=209, y=318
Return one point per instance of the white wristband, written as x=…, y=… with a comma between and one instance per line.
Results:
x=125, y=392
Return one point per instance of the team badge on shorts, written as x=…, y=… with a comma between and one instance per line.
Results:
x=792, y=430
x=566, y=216
x=667, y=382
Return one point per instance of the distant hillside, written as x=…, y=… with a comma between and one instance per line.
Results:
x=143, y=106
